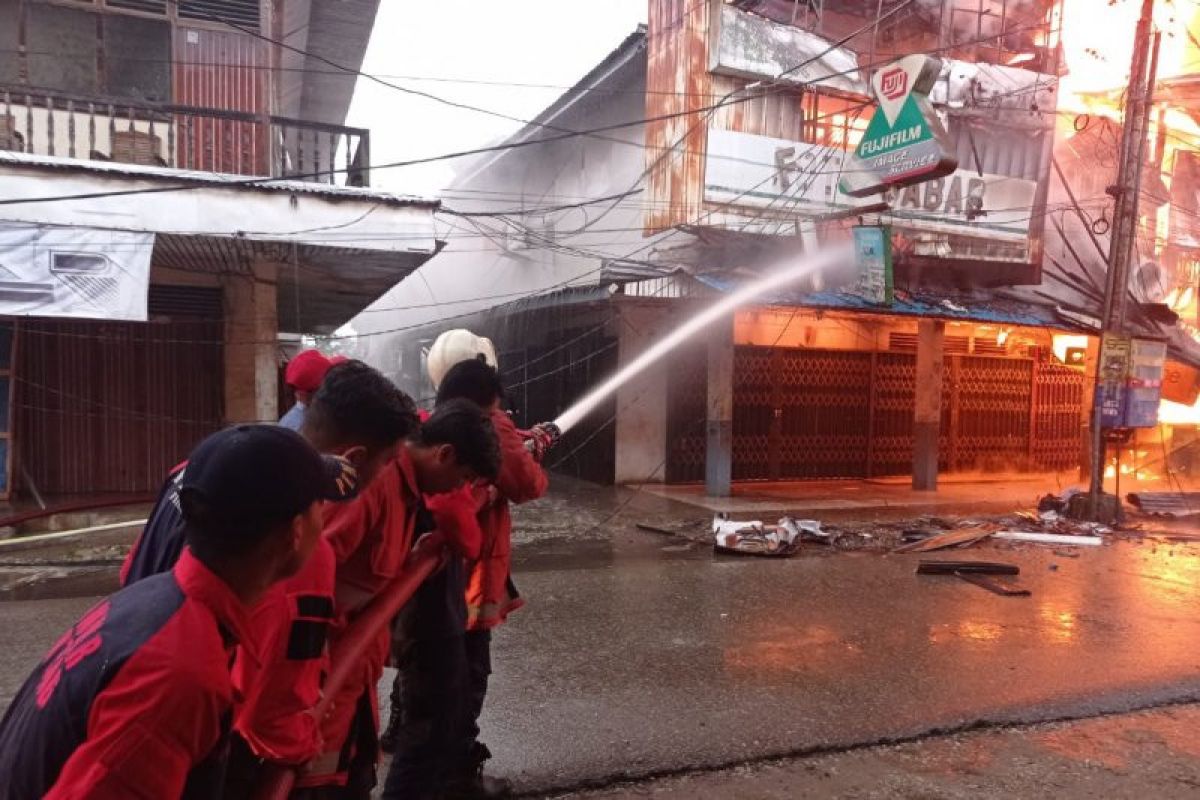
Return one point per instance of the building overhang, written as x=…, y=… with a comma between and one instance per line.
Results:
x=317, y=35
x=338, y=248
x=980, y=306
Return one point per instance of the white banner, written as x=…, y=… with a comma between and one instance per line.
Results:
x=88, y=273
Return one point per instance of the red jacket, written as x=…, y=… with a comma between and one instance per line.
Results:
x=291, y=630
x=134, y=700
x=521, y=479
x=371, y=537
x=364, y=545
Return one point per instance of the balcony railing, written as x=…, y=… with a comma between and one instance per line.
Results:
x=183, y=137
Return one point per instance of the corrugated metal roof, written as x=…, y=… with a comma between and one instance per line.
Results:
x=567, y=296
x=975, y=308
x=544, y=122
x=213, y=179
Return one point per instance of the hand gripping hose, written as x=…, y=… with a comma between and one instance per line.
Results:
x=277, y=780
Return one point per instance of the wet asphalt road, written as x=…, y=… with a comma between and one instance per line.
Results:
x=640, y=654
x=649, y=665
x=1149, y=754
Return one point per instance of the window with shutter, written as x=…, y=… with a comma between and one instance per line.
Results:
x=238, y=12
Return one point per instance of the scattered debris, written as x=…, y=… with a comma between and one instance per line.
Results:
x=1052, y=522
x=809, y=526
x=978, y=573
x=1051, y=502
x=955, y=567
x=955, y=538
x=1048, y=538
x=754, y=538
x=1067, y=553
x=693, y=530
x=1166, y=504
x=1181, y=538
x=916, y=534
x=994, y=586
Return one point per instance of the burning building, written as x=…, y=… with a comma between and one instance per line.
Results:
x=585, y=250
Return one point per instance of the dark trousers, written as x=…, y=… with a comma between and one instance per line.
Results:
x=429, y=695
x=478, y=645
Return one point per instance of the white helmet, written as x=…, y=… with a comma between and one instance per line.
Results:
x=454, y=346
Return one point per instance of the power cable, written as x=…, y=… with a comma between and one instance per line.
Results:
x=510, y=145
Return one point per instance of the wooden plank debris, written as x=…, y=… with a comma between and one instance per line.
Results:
x=954, y=538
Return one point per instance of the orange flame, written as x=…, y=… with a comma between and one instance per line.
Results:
x=1097, y=42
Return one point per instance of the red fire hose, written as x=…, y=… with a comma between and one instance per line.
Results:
x=278, y=779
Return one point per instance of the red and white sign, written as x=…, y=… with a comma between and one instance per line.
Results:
x=893, y=83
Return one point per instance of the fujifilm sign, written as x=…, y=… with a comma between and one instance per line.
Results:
x=872, y=146
x=904, y=142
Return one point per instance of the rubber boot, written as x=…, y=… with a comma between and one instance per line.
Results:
x=471, y=784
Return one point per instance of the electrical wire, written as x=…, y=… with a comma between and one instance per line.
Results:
x=503, y=147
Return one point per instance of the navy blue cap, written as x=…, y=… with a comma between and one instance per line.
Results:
x=260, y=473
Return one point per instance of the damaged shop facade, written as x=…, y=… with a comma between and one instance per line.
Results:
x=951, y=371
x=947, y=346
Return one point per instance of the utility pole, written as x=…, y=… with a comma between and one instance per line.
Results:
x=1126, y=194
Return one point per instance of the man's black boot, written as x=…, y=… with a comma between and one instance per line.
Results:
x=469, y=783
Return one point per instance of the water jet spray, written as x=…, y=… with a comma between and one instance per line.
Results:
x=781, y=276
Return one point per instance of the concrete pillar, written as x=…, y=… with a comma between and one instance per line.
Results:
x=718, y=453
x=1086, y=408
x=251, y=333
x=927, y=411
x=641, y=446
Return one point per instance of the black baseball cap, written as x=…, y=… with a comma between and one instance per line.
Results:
x=252, y=474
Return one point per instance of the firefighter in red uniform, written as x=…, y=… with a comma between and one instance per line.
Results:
x=357, y=413
x=135, y=700
x=361, y=416
x=369, y=540
x=444, y=648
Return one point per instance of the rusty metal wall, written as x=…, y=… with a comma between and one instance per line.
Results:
x=800, y=413
x=988, y=413
x=755, y=426
x=893, y=394
x=778, y=113
x=677, y=81
x=106, y=407
x=1058, y=393
x=825, y=409
x=803, y=414
x=239, y=83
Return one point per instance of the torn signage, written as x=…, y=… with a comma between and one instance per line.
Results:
x=85, y=273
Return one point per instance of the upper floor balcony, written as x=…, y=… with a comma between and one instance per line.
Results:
x=51, y=123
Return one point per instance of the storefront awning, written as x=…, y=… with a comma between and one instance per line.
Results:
x=978, y=307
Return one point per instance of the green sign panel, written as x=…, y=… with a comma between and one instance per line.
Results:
x=873, y=256
x=905, y=142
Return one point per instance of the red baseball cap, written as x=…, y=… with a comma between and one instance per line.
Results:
x=305, y=372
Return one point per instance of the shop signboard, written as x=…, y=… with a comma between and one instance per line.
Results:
x=873, y=257
x=905, y=142
x=1131, y=381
